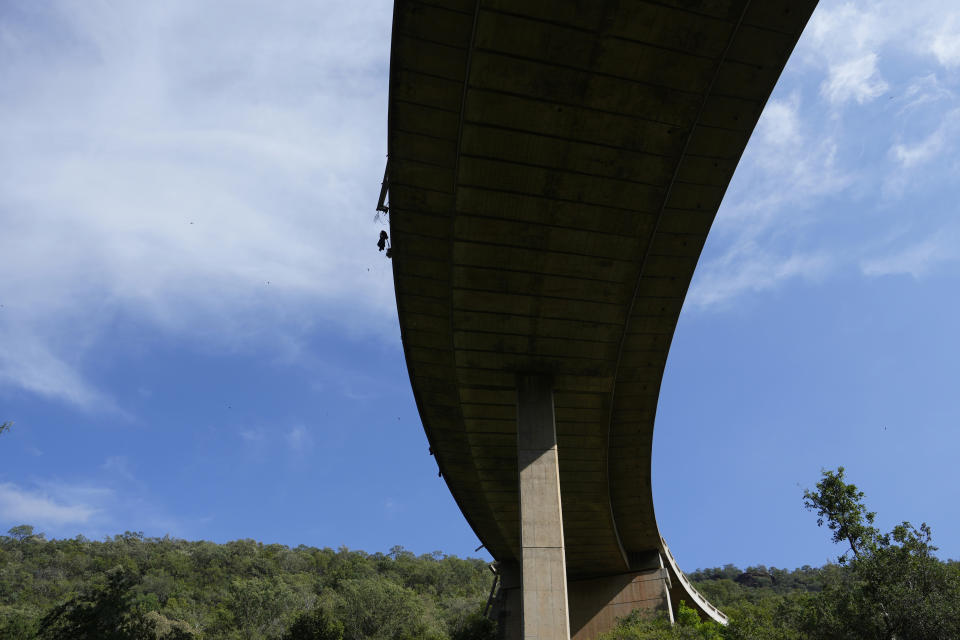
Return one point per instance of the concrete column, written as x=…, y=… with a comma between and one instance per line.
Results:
x=543, y=566
x=507, y=606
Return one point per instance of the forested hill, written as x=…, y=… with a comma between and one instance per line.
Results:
x=170, y=588
x=134, y=588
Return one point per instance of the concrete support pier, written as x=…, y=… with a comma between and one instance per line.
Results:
x=594, y=604
x=543, y=565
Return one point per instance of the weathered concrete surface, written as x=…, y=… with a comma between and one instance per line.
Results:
x=554, y=171
x=595, y=604
x=543, y=567
x=507, y=609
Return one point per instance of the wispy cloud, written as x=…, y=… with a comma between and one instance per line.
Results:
x=786, y=169
x=921, y=91
x=911, y=155
x=863, y=123
x=944, y=41
x=750, y=272
x=779, y=126
x=27, y=362
x=857, y=79
x=202, y=170
x=917, y=259
x=24, y=506
x=786, y=166
x=208, y=171
x=65, y=507
x=845, y=39
x=918, y=153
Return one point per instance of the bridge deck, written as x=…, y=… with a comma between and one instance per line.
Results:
x=554, y=168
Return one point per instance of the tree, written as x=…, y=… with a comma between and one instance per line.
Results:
x=639, y=625
x=474, y=626
x=260, y=607
x=380, y=609
x=895, y=587
x=772, y=620
x=17, y=624
x=840, y=506
x=24, y=533
x=107, y=612
x=316, y=624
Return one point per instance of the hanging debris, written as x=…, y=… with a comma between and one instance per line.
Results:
x=384, y=243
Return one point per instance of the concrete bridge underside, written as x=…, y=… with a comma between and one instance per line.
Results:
x=554, y=168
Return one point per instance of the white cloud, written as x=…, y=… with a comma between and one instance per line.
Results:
x=38, y=508
x=849, y=27
x=66, y=507
x=851, y=39
x=26, y=361
x=786, y=165
x=207, y=170
x=161, y=163
x=779, y=126
x=944, y=42
x=845, y=38
x=857, y=79
x=843, y=32
x=751, y=271
x=912, y=155
x=824, y=180
x=921, y=91
x=791, y=161
x=787, y=168
x=916, y=260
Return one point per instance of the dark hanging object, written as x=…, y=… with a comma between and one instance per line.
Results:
x=382, y=243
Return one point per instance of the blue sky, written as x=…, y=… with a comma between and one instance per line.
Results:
x=198, y=336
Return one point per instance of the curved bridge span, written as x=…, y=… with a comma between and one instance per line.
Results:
x=554, y=168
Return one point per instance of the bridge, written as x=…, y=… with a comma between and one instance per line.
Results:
x=554, y=169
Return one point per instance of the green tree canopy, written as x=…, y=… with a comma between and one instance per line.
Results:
x=840, y=506
x=895, y=587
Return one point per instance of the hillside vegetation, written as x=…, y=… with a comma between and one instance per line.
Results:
x=884, y=586
x=136, y=587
